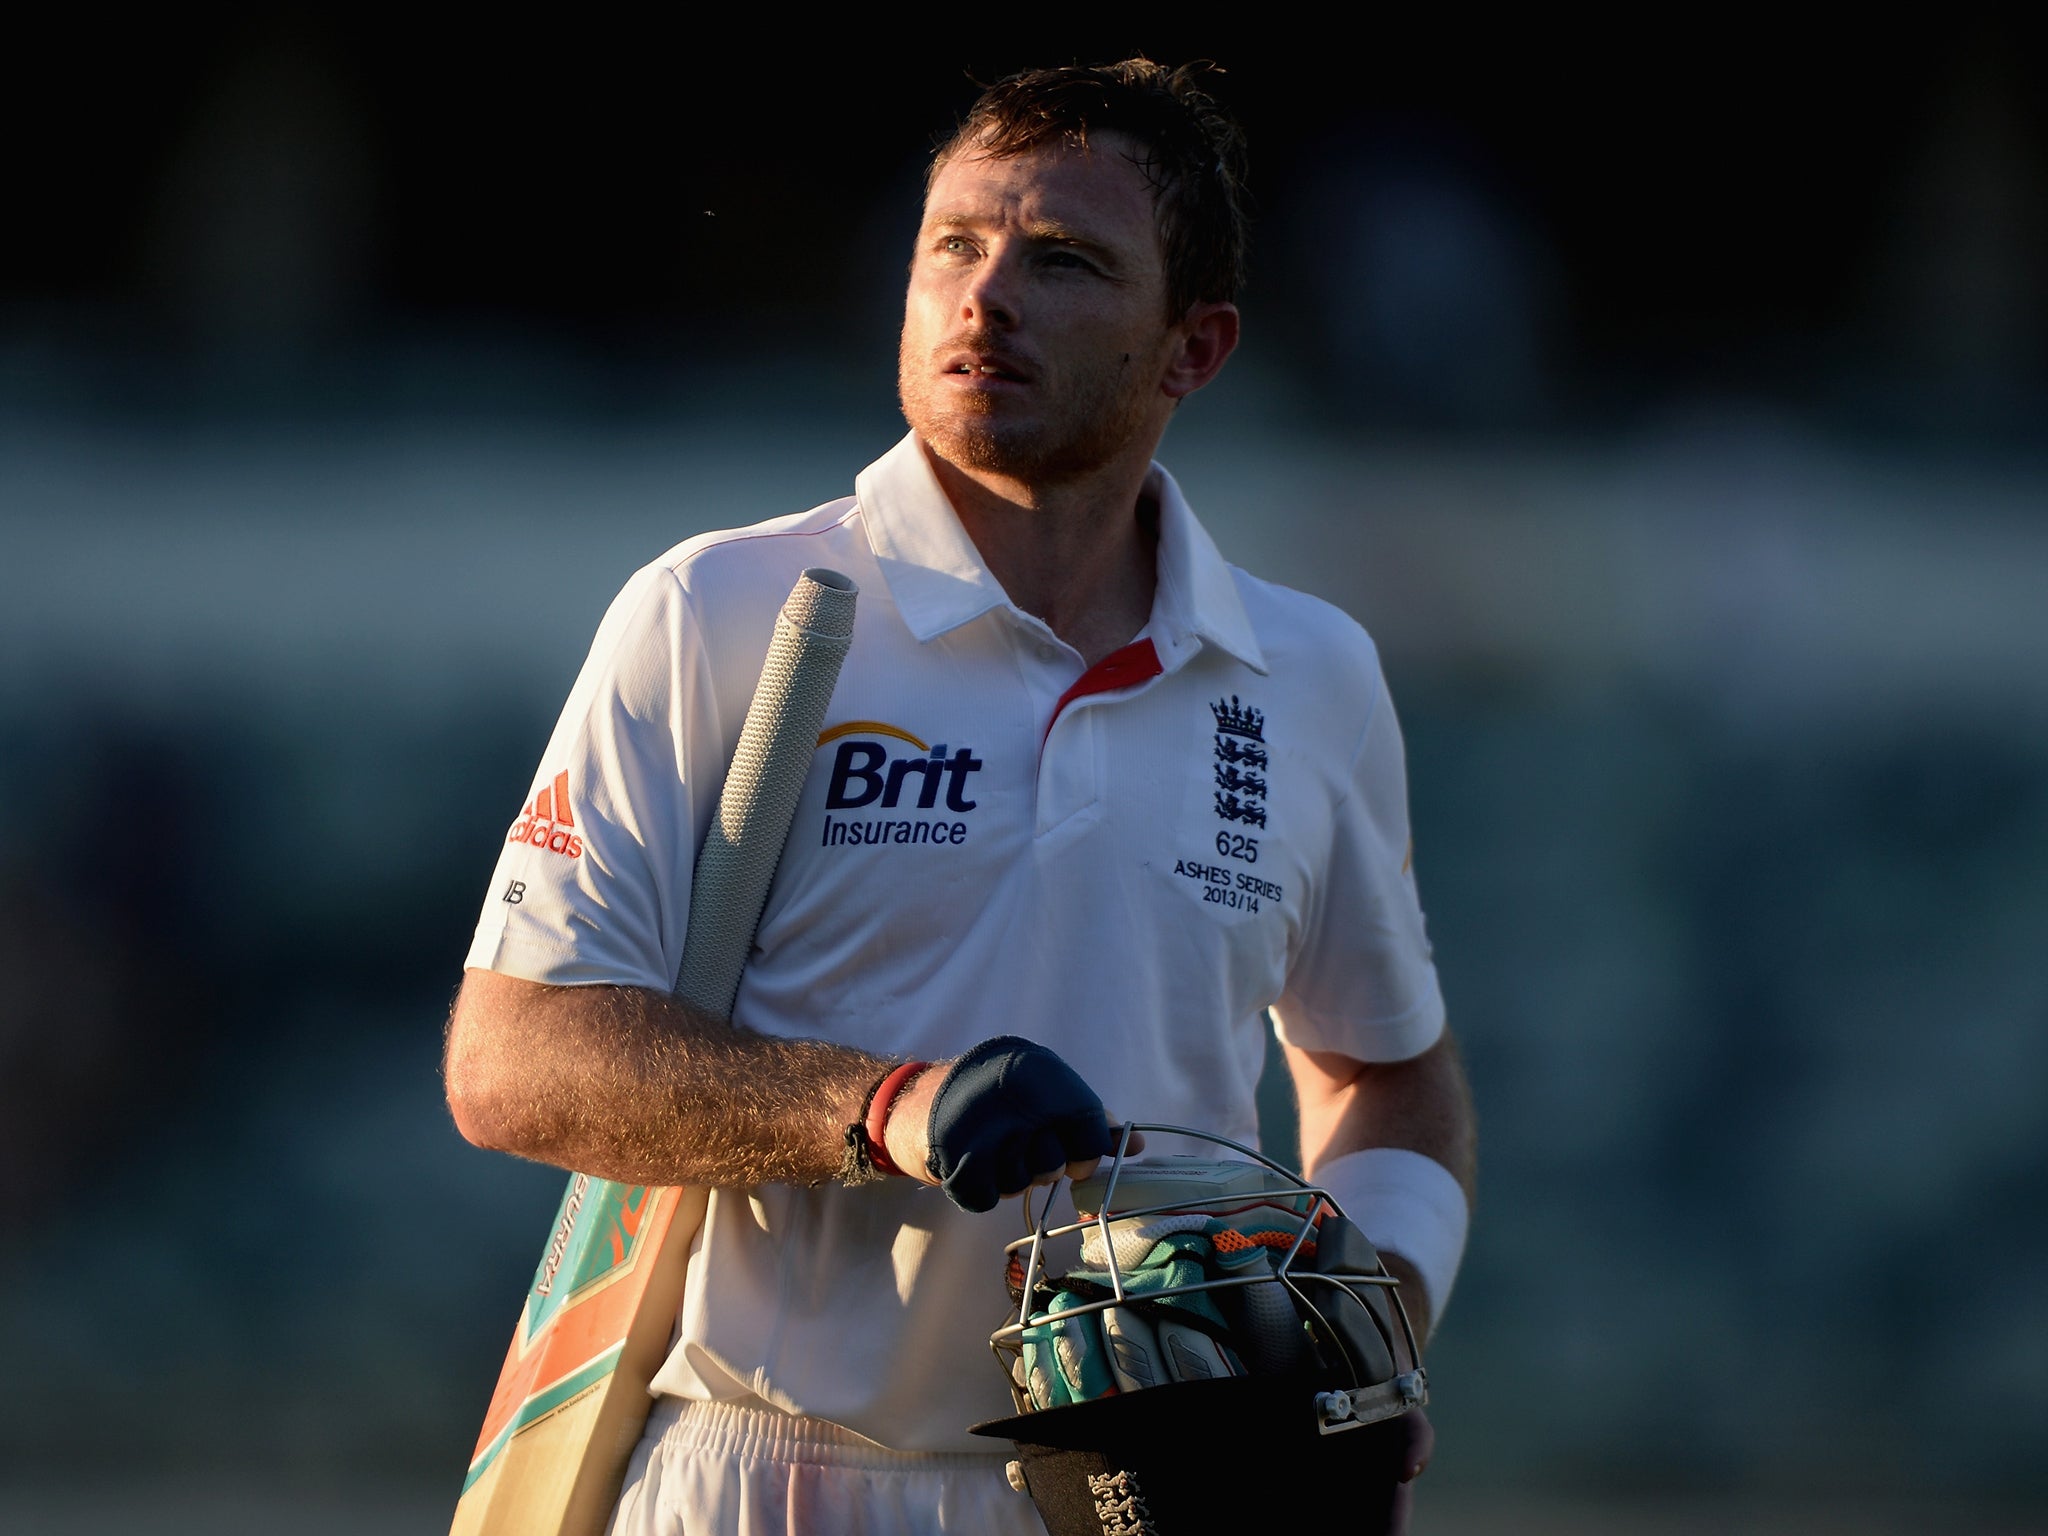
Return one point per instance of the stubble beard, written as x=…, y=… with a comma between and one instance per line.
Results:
x=1076, y=430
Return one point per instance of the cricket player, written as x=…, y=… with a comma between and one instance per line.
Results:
x=1088, y=801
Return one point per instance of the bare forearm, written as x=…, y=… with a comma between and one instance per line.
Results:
x=631, y=1085
x=1423, y=1104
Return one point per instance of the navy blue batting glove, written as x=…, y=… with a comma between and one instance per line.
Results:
x=1009, y=1111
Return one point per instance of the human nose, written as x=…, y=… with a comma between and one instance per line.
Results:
x=991, y=298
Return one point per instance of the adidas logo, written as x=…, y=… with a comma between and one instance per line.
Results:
x=546, y=823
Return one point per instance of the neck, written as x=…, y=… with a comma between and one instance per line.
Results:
x=1080, y=555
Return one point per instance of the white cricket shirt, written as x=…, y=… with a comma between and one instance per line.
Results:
x=1126, y=867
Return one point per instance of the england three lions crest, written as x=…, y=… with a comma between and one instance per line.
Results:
x=1240, y=762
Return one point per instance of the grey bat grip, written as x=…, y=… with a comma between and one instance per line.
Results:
x=737, y=860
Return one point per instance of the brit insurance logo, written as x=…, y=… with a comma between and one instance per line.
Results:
x=920, y=795
x=547, y=823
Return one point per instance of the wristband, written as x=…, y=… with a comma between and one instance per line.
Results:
x=875, y=1120
x=1408, y=1204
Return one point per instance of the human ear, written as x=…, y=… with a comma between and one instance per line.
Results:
x=1206, y=336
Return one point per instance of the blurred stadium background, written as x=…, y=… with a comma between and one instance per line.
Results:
x=1669, y=403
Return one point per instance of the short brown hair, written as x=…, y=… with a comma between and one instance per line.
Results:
x=1189, y=148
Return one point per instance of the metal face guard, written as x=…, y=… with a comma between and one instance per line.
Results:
x=1299, y=1305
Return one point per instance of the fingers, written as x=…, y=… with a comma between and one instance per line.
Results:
x=1045, y=1167
x=1421, y=1446
x=1007, y=1116
x=1042, y=1161
x=1087, y=1168
x=1046, y=1160
x=1009, y=1177
x=1047, y=1163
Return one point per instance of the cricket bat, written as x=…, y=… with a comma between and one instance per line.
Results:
x=571, y=1399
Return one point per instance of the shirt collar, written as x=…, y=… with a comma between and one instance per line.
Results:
x=935, y=573
x=938, y=581
x=1196, y=599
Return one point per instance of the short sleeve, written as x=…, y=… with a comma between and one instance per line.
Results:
x=1362, y=982
x=592, y=884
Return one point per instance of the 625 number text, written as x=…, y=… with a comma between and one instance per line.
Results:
x=1234, y=846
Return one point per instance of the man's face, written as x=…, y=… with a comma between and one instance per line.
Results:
x=1034, y=334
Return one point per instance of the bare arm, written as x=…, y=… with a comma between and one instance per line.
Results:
x=1423, y=1104
x=631, y=1085
x=634, y=1086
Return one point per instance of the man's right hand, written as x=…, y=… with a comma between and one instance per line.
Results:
x=1005, y=1116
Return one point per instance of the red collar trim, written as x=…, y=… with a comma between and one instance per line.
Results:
x=1135, y=663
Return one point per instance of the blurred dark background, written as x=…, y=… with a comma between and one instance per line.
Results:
x=1667, y=399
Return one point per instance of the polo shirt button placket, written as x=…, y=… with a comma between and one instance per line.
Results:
x=1069, y=757
x=1066, y=770
x=1065, y=779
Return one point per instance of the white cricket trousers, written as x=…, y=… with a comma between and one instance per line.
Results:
x=723, y=1469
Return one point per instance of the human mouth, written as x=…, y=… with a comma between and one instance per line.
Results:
x=982, y=366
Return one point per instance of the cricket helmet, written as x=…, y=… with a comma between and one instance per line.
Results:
x=1201, y=1317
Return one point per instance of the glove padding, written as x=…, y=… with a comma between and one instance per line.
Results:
x=1008, y=1111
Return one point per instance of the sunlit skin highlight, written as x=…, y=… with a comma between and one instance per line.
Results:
x=1040, y=367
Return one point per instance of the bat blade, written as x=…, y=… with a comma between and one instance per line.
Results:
x=571, y=1398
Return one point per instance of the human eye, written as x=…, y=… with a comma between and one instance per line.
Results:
x=1065, y=258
